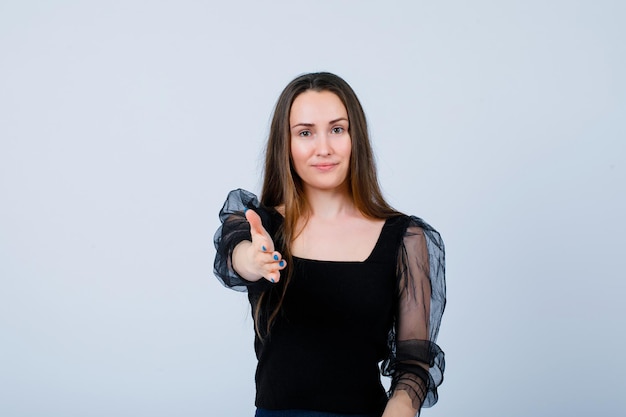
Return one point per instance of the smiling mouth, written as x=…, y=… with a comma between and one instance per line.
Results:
x=325, y=166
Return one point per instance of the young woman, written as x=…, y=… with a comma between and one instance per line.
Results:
x=339, y=282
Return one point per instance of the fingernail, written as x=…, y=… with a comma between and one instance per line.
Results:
x=272, y=279
x=275, y=257
x=281, y=263
x=264, y=248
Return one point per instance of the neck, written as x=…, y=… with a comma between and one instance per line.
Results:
x=329, y=204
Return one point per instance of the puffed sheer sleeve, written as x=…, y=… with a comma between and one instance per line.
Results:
x=233, y=230
x=415, y=363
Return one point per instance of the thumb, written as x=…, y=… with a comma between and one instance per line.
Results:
x=256, y=227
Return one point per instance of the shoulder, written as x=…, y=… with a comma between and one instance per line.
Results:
x=406, y=222
x=412, y=221
x=415, y=228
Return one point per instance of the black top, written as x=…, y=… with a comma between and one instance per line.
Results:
x=339, y=320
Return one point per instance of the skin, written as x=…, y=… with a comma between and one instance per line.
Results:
x=320, y=142
x=335, y=229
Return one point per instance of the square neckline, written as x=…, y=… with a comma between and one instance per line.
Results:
x=366, y=260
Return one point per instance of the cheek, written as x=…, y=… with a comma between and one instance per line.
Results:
x=298, y=153
x=347, y=148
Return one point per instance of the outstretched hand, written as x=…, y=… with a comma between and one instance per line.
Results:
x=261, y=258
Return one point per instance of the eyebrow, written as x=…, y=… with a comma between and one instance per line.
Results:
x=312, y=124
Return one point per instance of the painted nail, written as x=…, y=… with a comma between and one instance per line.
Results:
x=275, y=257
x=264, y=248
x=272, y=279
x=281, y=263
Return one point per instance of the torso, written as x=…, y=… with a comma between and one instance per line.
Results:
x=325, y=346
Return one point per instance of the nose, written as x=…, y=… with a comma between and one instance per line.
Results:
x=323, y=147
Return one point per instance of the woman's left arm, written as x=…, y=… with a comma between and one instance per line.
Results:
x=416, y=363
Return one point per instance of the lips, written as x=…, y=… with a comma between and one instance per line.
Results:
x=325, y=166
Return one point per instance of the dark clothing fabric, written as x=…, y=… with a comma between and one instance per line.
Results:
x=340, y=320
x=332, y=333
x=260, y=412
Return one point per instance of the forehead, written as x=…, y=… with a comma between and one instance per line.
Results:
x=317, y=106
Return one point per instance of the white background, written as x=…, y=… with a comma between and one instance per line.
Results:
x=123, y=124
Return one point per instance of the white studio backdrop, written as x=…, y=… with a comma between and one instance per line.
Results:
x=123, y=125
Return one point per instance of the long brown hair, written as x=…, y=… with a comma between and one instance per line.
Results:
x=283, y=187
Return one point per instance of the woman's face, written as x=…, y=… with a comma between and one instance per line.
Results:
x=320, y=140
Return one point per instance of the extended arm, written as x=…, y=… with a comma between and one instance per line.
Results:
x=240, y=260
x=257, y=259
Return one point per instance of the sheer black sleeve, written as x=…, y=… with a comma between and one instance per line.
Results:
x=415, y=363
x=233, y=230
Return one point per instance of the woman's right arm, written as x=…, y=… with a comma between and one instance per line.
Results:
x=257, y=259
x=240, y=260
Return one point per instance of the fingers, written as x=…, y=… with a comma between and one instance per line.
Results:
x=256, y=227
x=274, y=267
x=260, y=237
x=268, y=262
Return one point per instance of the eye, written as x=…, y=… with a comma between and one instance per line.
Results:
x=338, y=129
x=305, y=133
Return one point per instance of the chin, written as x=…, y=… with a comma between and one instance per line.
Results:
x=329, y=186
